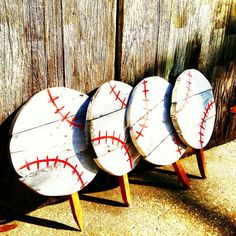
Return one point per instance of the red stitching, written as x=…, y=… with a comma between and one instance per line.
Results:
x=123, y=104
x=189, y=74
x=177, y=143
x=144, y=125
x=140, y=133
x=201, y=125
x=55, y=161
x=145, y=90
x=118, y=139
x=188, y=91
x=58, y=111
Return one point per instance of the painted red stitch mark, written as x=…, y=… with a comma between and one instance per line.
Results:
x=187, y=92
x=117, y=96
x=189, y=74
x=59, y=111
x=145, y=90
x=144, y=124
x=177, y=143
x=118, y=140
x=56, y=160
x=201, y=125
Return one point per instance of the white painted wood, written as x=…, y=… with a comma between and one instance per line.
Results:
x=193, y=108
x=148, y=117
x=106, y=125
x=48, y=147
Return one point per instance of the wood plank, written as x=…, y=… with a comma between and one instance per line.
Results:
x=89, y=43
x=201, y=163
x=138, y=31
x=125, y=189
x=179, y=170
x=77, y=210
x=54, y=43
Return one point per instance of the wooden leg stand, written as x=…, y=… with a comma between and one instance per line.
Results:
x=125, y=189
x=201, y=163
x=76, y=209
x=179, y=170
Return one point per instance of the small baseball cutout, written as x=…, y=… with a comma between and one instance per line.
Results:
x=48, y=146
x=193, y=108
x=106, y=126
x=149, y=120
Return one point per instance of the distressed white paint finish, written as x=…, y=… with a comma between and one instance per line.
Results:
x=193, y=108
x=106, y=125
x=148, y=117
x=48, y=147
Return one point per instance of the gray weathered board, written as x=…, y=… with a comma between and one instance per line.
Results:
x=193, y=108
x=48, y=147
x=106, y=124
x=149, y=120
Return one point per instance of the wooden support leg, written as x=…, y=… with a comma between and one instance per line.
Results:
x=201, y=163
x=125, y=189
x=76, y=209
x=179, y=170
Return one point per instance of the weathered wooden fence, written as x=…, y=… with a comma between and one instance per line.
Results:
x=81, y=44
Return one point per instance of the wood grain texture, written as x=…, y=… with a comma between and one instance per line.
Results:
x=138, y=32
x=164, y=38
x=54, y=43
x=31, y=51
x=89, y=43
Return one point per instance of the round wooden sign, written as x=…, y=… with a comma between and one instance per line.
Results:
x=193, y=108
x=48, y=146
x=107, y=129
x=148, y=117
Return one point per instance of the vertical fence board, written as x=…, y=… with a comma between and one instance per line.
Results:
x=15, y=57
x=166, y=37
x=89, y=43
x=54, y=43
x=139, y=39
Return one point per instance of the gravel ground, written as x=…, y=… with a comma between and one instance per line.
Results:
x=160, y=206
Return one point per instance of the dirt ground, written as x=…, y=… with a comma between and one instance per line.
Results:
x=160, y=206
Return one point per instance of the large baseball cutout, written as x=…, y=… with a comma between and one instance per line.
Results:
x=149, y=120
x=193, y=108
x=48, y=147
x=106, y=125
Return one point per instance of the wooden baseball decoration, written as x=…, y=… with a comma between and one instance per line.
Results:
x=193, y=108
x=106, y=124
x=48, y=146
x=150, y=125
